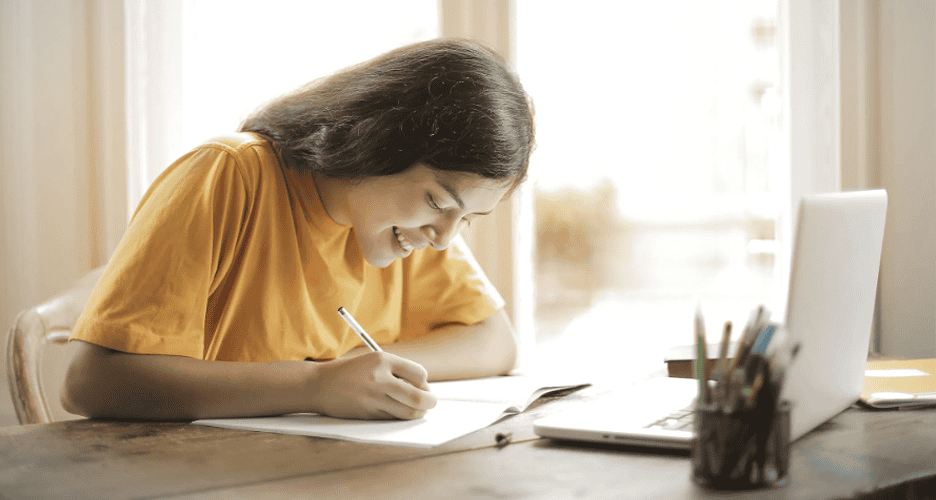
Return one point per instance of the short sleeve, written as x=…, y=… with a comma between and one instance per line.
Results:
x=153, y=296
x=446, y=287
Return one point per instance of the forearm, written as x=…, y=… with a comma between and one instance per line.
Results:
x=115, y=384
x=459, y=351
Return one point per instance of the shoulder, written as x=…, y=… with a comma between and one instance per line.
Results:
x=240, y=144
x=251, y=155
x=237, y=142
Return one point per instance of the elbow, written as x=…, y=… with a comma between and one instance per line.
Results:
x=70, y=399
x=503, y=341
x=73, y=396
x=79, y=391
x=508, y=358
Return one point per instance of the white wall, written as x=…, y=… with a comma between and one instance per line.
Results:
x=907, y=85
x=889, y=140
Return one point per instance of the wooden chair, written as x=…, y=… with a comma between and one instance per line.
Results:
x=34, y=330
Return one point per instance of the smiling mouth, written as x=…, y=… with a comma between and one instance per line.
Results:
x=404, y=244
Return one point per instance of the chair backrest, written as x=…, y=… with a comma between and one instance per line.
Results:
x=34, y=330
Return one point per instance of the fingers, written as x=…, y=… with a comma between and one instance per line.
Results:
x=394, y=410
x=408, y=389
x=411, y=372
x=402, y=388
x=410, y=396
x=374, y=385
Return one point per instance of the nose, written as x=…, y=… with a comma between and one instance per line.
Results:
x=441, y=233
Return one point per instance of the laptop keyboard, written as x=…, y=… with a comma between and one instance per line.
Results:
x=677, y=421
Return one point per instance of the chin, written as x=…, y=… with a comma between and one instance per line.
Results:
x=378, y=258
x=379, y=255
x=381, y=262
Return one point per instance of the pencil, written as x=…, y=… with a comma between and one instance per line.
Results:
x=345, y=315
x=721, y=369
x=723, y=353
x=750, y=393
x=701, y=361
x=751, y=329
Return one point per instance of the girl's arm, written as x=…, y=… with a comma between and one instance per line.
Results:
x=102, y=382
x=458, y=351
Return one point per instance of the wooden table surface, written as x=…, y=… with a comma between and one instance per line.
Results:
x=858, y=454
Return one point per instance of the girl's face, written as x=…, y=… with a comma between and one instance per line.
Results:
x=396, y=214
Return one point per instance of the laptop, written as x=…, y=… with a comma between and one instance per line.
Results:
x=833, y=283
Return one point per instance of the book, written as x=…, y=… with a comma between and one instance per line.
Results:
x=464, y=406
x=899, y=383
x=681, y=359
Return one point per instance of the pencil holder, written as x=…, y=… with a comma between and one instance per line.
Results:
x=744, y=449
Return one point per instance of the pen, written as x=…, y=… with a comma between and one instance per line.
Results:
x=754, y=326
x=742, y=344
x=502, y=439
x=723, y=351
x=701, y=360
x=763, y=340
x=721, y=370
x=345, y=315
x=750, y=393
x=735, y=383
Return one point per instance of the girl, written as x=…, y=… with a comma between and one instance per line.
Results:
x=221, y=299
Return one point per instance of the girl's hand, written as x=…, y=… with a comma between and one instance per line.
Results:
x=374, y=385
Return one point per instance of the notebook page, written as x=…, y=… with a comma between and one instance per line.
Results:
x=447, y=421
x=515, y=393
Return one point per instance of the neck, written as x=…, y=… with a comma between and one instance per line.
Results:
x=333, y=193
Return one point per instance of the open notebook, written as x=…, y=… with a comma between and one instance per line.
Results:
x=900, y=383
x=464, y=406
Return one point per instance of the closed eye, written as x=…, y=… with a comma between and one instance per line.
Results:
x=432, y=203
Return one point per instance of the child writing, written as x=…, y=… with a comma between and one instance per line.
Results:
x=222, y=297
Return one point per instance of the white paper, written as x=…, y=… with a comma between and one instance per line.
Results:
x=902, y=399
x=516, y=393
x=463, y=407
x=447, y=421
x=901, y=372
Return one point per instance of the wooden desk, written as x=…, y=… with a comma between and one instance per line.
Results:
x=859, y=454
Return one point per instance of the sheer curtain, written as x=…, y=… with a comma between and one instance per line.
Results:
x=63, y=167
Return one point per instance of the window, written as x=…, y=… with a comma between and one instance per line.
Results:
x=657, y=174
x=197, y=68
x=238, y=55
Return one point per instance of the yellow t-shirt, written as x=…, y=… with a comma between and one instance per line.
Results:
x=230, y=256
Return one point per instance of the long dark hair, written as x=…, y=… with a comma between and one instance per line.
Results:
x=452, y=104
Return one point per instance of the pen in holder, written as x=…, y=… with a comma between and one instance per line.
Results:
x=742, y=428
x=745, y=449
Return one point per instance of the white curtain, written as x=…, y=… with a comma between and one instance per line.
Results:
x=63, y=144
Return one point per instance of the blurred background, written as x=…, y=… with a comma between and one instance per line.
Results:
x=654, y=182
x=670, y=150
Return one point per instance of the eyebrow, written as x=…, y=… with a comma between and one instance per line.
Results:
x=451, y=191
x=454, y=194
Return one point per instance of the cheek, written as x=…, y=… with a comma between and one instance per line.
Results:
x=388, y=211
x=396, y=215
